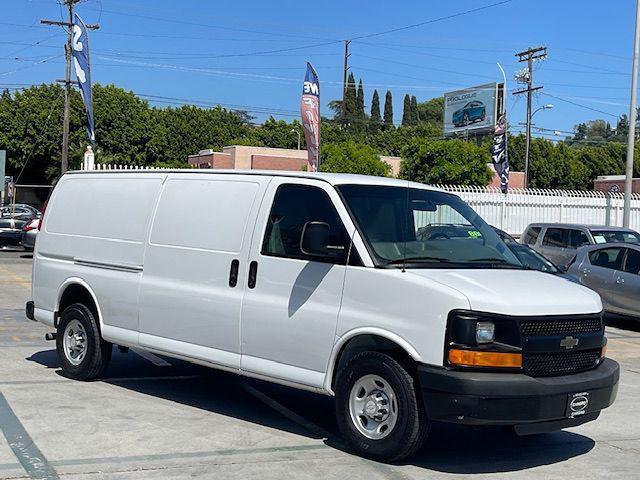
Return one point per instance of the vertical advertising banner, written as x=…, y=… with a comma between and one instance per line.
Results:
x=82, y=67
x=499, y=152
x=310, y=110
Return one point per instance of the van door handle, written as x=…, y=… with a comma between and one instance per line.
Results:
x=253, y=273
x=233, y=273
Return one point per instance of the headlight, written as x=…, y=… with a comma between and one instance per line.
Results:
x=485, y=332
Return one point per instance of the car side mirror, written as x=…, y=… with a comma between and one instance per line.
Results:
x=314, y=241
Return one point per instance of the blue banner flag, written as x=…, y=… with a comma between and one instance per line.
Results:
x=82, y=67
x=310, y=111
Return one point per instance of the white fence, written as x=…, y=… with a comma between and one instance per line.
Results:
x=514, y=211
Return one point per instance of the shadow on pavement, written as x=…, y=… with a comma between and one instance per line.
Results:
x=449, y=448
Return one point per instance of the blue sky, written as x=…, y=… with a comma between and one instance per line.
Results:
x=213, y=52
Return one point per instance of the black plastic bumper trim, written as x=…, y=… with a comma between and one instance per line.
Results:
x=480, y=398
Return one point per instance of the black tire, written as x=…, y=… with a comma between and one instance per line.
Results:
x=465, y=119
x=411, y=427
x=98, y=352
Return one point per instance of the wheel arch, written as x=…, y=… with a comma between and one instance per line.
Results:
x=72, y=290
x=362, y=339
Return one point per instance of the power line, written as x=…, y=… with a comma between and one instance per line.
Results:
x=433, y=20
x=579, y=105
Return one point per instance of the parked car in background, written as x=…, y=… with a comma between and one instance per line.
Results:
x=11, y=232
x=527, y=255
x=19, y=210
x=612, y=270
x=29, y=234
x=559, y=242
x=472, y=112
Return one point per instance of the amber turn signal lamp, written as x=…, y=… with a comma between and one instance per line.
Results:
x=603, y=352
x=471, y=358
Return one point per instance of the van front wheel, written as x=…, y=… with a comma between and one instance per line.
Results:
x=378, y=410
x=82, y=353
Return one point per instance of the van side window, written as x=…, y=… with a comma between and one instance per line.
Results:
x=293, y=206
x=531, y=235
x=555, y=237
x=607, y=257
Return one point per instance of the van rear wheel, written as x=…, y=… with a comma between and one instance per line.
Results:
x=82, y=353
x=378, y=410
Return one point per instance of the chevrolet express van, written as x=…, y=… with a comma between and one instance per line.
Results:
x=393, y=297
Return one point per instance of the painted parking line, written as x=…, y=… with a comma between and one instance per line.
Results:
x=156, y=360
x=26, y=451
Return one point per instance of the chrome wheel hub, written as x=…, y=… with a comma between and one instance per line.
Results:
x=74, y=342
x=373, y=407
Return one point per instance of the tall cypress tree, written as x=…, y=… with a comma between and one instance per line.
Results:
x=360, y=101
x=415, y=118
x=375, y=109
x=407, y=117
x=350, y=107
x=388, y=110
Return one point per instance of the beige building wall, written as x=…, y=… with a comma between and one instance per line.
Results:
x=394, y=163
x=242, y=154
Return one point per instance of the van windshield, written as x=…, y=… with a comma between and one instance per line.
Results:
x=419, y=228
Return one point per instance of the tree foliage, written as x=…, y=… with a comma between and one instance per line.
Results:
x=388, y=110
x=352, y=157
x=375, y=109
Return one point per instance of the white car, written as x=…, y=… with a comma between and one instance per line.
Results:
x=394, y=297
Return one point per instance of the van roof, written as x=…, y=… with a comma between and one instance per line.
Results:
x=332, y=178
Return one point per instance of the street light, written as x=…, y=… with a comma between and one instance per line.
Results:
x=528, y=142
x=295, y=130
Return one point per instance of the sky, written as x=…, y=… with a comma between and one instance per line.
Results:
x=251, y=54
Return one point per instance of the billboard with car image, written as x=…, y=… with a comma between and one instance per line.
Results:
x=472, y=109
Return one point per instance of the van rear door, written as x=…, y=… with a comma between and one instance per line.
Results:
x=195, y=265
x=290, y=310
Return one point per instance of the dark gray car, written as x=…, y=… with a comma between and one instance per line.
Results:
x=612, y=270
x=559, y=242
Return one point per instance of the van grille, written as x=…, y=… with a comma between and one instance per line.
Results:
x=545, y=327
x=559, y=363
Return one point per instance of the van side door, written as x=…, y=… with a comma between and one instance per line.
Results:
x=195, y=265
x=291, y=306
x=597, y=272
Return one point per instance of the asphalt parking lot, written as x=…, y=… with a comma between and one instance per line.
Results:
x=158, y=418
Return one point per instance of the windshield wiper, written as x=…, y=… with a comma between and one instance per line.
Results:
x=400, y=261
x=495, y=261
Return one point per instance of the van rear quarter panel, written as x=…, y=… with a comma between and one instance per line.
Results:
x=101, y=219
x=408, y=306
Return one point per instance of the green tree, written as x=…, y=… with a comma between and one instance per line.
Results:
x=452, y=162
x=415, y=116
x=432, y=111
x=376, y=120
x=388, y=110
x=350, y=107
x=407, y=116
x=360, y=114
x=352, y=157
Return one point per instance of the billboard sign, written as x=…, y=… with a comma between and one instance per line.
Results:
x=472, y=109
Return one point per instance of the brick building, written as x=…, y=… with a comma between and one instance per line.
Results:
x=614, y=184
x=251, y=158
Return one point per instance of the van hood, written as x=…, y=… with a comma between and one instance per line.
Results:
x=516, y=292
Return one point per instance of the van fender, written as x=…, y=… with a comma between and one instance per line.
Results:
x=380, y=332
x=78, y=281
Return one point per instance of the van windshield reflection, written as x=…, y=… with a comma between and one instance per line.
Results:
x=419, y=228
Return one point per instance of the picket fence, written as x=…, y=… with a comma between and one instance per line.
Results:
x=514, y=211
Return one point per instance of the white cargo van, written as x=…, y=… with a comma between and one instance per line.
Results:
x=396, y=298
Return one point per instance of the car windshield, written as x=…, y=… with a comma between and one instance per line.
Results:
x=419, y=228
x=532, y=259
x=615, y=236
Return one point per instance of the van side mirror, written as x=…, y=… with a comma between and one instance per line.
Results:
x=314, y=241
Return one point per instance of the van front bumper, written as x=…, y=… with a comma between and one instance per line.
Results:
x=531, y=404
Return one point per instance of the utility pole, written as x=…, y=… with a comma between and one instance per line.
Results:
x=631, y=136
x=526, y=76
x=64, y=166
x=344, y=75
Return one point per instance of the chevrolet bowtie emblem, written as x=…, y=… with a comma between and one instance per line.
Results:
x=569, y=342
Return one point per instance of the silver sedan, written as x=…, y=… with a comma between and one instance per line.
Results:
x=612, y=270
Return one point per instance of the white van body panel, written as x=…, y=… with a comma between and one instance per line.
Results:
x=202, y=223
x=518, y=292
x=100, y=242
